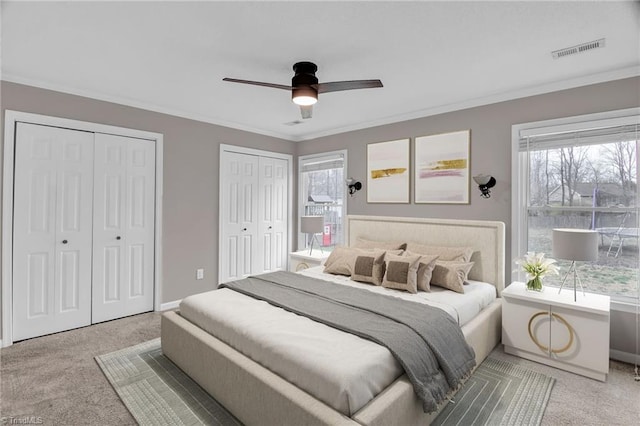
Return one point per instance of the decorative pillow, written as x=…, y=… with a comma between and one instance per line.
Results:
x=451, y=275
x=401, y=272
x=457, y=254
x=425, y=269
x=382, y=245
x=342, y=259
x=369, y=268
x=336, y=253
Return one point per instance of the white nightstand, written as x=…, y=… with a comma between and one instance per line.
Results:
x=552, y=329
x=299, y=260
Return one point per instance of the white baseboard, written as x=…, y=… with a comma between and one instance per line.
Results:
x=624, y=356
x=170, y=305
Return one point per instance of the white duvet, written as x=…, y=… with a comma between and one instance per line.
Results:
x=340, y=369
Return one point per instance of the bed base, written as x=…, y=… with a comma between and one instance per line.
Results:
x=257, y=396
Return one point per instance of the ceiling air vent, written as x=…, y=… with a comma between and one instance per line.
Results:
x=578, y=49
x=293, y=123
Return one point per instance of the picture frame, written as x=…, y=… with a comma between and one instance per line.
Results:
x=388, y=173
x=441, y=168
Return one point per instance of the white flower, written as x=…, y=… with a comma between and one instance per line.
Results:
x=536, y=266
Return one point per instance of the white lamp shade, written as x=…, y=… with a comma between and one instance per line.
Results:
x=575, y=244
x=311, y=224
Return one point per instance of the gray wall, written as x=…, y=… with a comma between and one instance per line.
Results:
x=490, y=154
x=191, y=155
x=191, y=158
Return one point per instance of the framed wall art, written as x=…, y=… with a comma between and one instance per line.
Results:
x=388, y=172
x=441, y=168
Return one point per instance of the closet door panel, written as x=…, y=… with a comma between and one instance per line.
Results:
x=239, y=216
x=280, y=219
x=140, y=225
x=109, y=210
x=124, y=227
x=52, y=230
x=273, y=214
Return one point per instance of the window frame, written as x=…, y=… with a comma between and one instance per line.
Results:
x=316, y=156
x=520, y=172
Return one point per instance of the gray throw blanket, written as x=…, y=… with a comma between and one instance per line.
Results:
x=425, y=340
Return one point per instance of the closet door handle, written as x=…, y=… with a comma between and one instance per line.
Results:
x=244, y=229
x=270, y=227
x=118, y=237
x=64, y=241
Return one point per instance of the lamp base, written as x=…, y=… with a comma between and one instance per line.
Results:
x=575, y=277
x=313, y=238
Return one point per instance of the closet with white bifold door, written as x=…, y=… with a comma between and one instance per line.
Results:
x=254, y=212
x=83, y=228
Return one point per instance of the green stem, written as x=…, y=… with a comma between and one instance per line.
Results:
x=534, y=284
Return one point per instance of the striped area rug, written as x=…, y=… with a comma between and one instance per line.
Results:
x=156, y=392
x=499, y=393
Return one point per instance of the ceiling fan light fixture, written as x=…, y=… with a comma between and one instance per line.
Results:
x=304, y=96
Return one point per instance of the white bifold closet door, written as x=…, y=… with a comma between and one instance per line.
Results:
x=51, y=230
x=239, y=215
x=123, y=226
x=272, y=214
x=253, y=215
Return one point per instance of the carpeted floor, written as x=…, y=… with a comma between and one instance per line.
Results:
x=56, y=379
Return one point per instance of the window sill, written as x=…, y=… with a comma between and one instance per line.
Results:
x=630, y=307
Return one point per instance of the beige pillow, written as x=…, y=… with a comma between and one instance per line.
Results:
x=425, y=269
x=342, y=259
x=457, y=254
x=336, y=253
x=451, y=275
x=401, y=272
x=369, y=268
x=382, y=245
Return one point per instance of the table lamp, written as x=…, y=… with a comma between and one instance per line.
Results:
x=312, y=225
x=575, y=245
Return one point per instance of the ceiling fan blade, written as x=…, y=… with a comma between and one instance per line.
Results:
x=258, y=83
x=336, y=86
x=306, y=111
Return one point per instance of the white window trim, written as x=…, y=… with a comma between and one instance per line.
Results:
x=303, y=158
x=519, y=186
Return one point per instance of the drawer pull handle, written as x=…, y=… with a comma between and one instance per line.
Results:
x=301, y=266
x=543, y=347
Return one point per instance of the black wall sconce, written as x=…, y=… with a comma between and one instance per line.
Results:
x=353, y=185
x=485, y=182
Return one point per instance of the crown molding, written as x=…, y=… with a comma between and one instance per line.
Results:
x=618, y=74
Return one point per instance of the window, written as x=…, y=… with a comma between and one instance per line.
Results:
x=581, y=172
x=322, y=192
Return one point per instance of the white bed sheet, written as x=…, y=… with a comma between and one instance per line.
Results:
x=338, y=368
x=462, y=307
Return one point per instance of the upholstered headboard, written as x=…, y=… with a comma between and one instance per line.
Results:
x=487, y=238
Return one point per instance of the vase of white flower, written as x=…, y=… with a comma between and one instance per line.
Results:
x=536, y=267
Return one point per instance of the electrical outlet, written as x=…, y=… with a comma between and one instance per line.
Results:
x=199, y=274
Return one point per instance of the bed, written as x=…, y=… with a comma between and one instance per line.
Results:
x=257, y=395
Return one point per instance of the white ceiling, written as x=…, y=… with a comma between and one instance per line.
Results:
x=431, y=56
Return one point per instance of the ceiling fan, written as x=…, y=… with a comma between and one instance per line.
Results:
x=305, y=87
